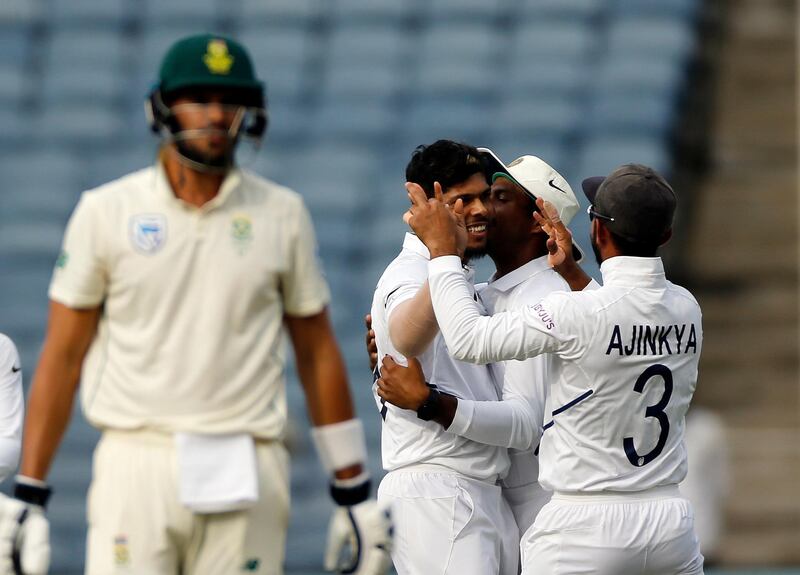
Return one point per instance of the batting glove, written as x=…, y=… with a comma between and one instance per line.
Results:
x=360, y=532
x=24, y=530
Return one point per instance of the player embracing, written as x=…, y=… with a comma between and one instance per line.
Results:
x=613, y=450
x=450, y=516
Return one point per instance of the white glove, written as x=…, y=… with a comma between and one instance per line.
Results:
x=24, y=538
x=363, y=533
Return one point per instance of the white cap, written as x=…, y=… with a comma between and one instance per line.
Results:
x=540, y=180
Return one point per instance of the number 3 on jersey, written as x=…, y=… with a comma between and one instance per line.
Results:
x=656, y=411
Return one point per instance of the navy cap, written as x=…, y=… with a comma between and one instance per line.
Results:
x=636, y=202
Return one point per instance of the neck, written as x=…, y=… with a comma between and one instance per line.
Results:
x=192, y=186
x=507, y=262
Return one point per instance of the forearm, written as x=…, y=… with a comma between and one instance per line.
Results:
x=474, y=338
x=507, y=423
x=49, y=412
x=412, y=325
x=463, y=327
x=324, y=380
x=328, y=397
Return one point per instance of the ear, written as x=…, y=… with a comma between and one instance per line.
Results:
x=666, y=237
x=600, y=232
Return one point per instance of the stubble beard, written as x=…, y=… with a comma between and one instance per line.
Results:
x=596, y=251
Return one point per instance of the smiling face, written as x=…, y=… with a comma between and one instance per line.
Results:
x=474, y=192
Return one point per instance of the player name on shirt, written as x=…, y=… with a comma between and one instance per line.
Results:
x=654, y=340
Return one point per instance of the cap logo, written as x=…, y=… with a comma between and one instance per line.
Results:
x=515, y=162
x=217, y=58
x=552, y=185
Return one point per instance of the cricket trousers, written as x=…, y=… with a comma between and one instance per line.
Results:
x=449, y=524
x=642, y=533
x=137, y=525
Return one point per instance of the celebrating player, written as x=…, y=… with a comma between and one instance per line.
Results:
x=628, y=352
x=169, y=302
x=517, y=245
x=449, y=512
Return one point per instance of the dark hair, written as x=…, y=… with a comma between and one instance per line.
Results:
x=639, y=248
x=445, y=161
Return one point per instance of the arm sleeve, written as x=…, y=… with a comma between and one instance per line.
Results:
x=304, y=289
x=515, y=421
x=506, y=423
x=518, y=334
x=11, y=407
x=80, y=278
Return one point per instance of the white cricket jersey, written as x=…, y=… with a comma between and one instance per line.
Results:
x=516, y=422
x=406, y=439
x=190, y=337
x=12, y=407
x=629, y=353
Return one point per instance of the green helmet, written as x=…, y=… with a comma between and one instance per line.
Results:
x=208, y=60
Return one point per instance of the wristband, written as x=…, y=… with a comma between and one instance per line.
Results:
x=32, y=491
x=349, y=492
x=340, y=445
x=430, y=408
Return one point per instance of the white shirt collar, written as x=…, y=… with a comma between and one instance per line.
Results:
x=633, y=271
x=519, y=275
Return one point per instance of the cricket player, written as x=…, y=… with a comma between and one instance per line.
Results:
x=517, y=245
x=169, y=301
x=613, y=452
x=33, y=553
x=450, y=517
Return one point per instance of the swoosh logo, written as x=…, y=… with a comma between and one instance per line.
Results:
x=552, y=185
x=15, y=369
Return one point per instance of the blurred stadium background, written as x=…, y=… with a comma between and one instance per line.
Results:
x=702, y=90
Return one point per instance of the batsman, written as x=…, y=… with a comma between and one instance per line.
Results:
x=169, y=303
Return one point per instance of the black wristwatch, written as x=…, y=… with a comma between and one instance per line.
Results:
x=430, y=408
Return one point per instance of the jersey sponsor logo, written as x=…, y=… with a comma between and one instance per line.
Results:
x=544, y=316
x=148, y=232
x=15, y=369
x=654, y=340
x=217, y=59
x=251, y=565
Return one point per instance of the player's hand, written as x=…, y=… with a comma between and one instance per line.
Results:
x=372, y=347
x=24, y=538
x=360, y=539
x=404, y=387
x=559, y=246
x=559, y=238
x=440, y=227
